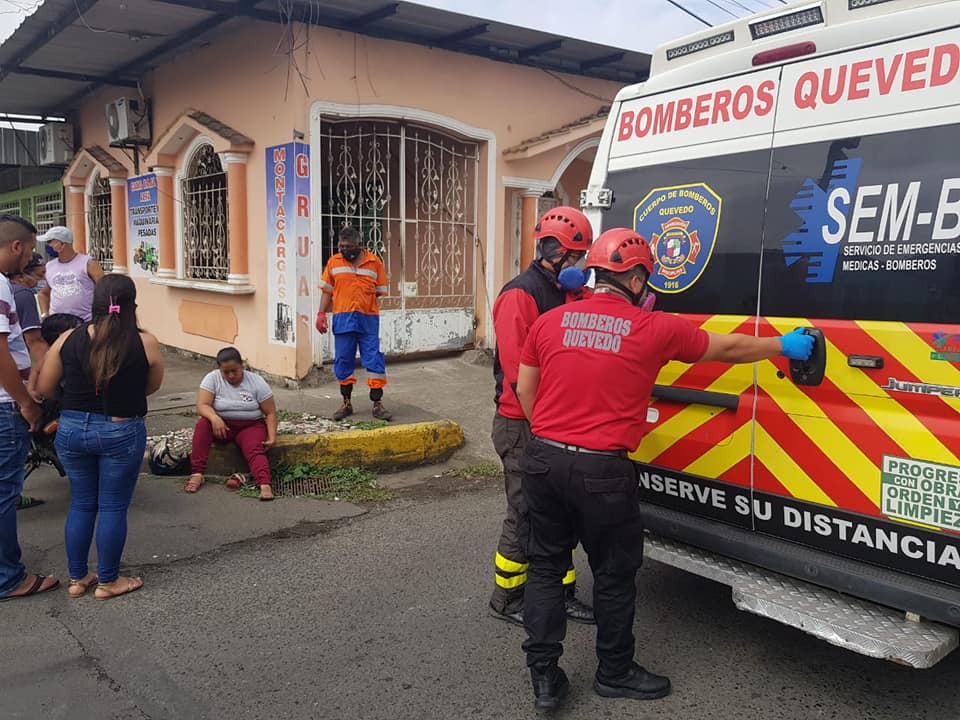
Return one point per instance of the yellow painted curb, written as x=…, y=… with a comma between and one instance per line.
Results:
x=387, y=448
x=383, y=448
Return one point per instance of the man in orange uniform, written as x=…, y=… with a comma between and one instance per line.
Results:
x=352, y=281
x=563, y=236
x=585, y=379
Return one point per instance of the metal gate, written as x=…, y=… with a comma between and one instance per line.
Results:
x=411, y=192
x=100, y=224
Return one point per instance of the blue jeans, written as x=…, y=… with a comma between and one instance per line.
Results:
x=102, y=459
x=14, y=447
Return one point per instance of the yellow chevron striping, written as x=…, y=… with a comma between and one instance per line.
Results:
x=890, y=416
x=664, y=435
x=720, y=458
x=816, y=425
x=788, y=473
x=913, y=352
x=716, y=324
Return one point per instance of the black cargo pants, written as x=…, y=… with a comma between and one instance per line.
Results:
x=510, y=438
x=572, y=495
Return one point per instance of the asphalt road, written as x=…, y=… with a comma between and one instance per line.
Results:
x=384, y=616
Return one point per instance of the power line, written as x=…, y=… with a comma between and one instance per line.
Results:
x=689, y=12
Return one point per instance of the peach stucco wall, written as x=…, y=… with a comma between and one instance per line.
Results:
x=239, y=79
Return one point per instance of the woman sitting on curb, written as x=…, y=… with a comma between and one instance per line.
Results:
x=237, y=406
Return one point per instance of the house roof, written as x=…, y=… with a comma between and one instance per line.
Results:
x=223, y=130
x=569, y=128
x=70, y=48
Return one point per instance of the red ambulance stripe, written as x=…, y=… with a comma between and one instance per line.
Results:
x=696, y=443
x=739, y=474
x=811, y=459
x=931, y=411
x=765, y=481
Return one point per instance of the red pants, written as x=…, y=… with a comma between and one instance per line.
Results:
x=247, y=434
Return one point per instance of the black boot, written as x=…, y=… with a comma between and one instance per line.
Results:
x=579, y=611
x=637, y=684
x=550, y=686
x=514, y=617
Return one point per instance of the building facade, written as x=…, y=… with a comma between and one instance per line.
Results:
x=266, y=139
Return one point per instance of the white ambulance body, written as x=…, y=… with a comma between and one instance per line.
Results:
x=801, y=167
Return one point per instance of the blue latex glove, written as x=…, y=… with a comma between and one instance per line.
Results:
x=796, y=345
x=572, y=278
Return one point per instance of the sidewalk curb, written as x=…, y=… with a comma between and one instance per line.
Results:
x=388, y=448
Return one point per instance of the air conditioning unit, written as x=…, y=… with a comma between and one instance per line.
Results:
x=55, y=144
x=128, y=122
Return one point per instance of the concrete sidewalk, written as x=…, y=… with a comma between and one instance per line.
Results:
x=167, y=525
x=458, y=388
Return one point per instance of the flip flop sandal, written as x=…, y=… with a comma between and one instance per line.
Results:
x=192, y=485
x=271, y=498
x=35, y=589
x=236, y=481
x=133, y=584
x=84, y=586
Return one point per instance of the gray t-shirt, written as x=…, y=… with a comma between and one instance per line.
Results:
x=240, y=402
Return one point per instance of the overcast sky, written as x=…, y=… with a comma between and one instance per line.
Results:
x=630, y=24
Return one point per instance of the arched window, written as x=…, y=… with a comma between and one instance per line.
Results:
x=100, y=222
x=206, y=246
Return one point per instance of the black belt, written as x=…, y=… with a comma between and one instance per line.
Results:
x=578, y=449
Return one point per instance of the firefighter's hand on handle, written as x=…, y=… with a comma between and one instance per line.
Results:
x=322, y=326
x=797, y=345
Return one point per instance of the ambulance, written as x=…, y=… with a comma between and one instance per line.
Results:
x=801, y=168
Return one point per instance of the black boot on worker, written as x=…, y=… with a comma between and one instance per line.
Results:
x=379, y=411
x=346, y=410
x=550, y=686
x=637, y=684
x=514, y=617
x=579, y=611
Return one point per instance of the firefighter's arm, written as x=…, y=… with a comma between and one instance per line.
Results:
x=739, y=348
x=528, y=380
x=513, y=314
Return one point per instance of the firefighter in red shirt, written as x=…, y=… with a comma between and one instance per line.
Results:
x=585, y=378
x=563, y=236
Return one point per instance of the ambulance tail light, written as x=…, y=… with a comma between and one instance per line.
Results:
x=786, y=52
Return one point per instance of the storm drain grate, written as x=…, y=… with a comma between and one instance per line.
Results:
x=298, y=487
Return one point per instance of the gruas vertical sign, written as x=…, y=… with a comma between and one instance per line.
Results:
x=288, y=237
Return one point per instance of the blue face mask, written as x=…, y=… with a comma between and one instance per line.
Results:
x=573, y=278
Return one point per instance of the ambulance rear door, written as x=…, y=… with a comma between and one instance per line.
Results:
x=688, y=169
x=863, y=242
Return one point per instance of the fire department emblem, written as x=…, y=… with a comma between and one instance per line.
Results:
x=681, y=224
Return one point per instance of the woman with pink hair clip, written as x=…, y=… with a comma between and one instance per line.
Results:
x=108, y=367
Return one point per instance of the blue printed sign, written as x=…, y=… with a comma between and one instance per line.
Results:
x=681, y=224
x=288, y=236
x=143, y=226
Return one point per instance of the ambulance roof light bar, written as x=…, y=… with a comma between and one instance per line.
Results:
x=805, y=17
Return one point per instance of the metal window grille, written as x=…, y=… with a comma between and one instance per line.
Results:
x=206, y=248
x=100, y=224
x=10, y=206
x=48, y=210
x=411, y=192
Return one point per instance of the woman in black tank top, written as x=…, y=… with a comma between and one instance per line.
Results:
x=108, y=368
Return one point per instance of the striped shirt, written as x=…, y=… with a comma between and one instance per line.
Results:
x=10, y=326
x=355, y=289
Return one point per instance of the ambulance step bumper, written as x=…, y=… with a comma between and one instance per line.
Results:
x=849, y=622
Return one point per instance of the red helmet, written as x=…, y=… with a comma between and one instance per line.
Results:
x=619, y=250
x=566, y=224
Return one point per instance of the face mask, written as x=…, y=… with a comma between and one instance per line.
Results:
x=351, y=255
x=573, y=278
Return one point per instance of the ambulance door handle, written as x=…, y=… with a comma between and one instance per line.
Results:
x=690, y=396
x=811, y=371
